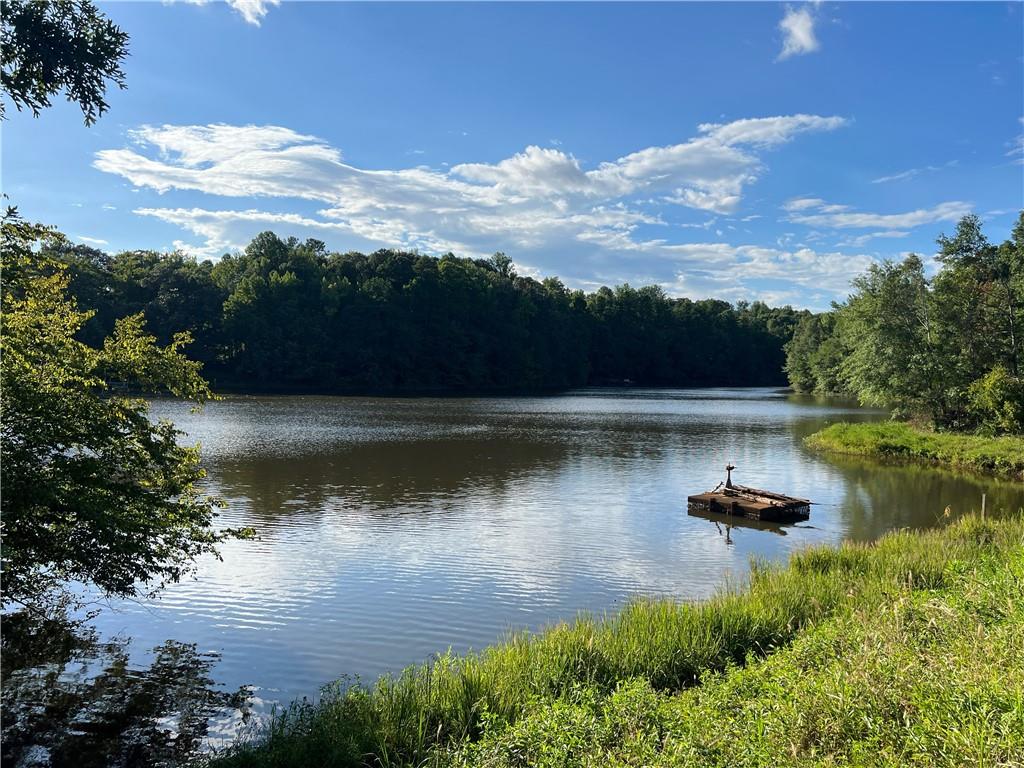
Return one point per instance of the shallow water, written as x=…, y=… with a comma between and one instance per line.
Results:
x=392, y=529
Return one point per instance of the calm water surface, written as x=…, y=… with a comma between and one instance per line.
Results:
x=391, y=529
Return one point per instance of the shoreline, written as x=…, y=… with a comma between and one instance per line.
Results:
x=991, y=456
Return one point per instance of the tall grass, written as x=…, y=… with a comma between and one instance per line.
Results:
x=999, y=455
x=414, y=717
x=927, y=672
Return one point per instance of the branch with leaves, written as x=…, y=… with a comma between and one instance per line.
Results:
x=93, y=491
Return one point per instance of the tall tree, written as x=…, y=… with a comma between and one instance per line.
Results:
x=948, y=347
x=814, y=355
x=894, y=358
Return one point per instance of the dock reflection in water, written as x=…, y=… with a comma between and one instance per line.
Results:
x=725, y=524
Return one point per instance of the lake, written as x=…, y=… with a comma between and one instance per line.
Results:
x=393, y=529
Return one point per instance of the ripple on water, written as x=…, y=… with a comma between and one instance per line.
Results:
x=390, y=530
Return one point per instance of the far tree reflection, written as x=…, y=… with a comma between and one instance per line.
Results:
x=70, y=699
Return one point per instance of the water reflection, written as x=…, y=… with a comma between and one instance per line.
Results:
x=725, y=524
x=386, y=478
x=71, y=700
x=914, y=496
x=393, y=529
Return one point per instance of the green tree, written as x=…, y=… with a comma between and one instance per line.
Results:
x=49, y=46
x=93, y=491
x=996, y=402
x=287, y=314
x=814, y=355
x=894, y=342
x=948, y=347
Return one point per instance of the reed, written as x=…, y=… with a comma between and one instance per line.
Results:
x=418, y=716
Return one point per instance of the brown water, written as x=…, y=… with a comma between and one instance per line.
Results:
x=392, y=529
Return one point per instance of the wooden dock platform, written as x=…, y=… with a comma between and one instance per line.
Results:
x=751, y=503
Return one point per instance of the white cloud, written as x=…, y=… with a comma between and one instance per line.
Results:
x=91, y=240
x=802, y=203
x=769, y=131
x=535, y=171
x=797, y=27
x=252, y=11
x=542, y=204
x=902, y=175
x=840, y=217
x=218, y=228
x=723, y=267
x=708, y=172
x=860, y=240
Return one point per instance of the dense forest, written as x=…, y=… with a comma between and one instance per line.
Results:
x=945, y=348
x=289, y=315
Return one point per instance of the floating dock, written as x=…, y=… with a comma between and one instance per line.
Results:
x=751, y=503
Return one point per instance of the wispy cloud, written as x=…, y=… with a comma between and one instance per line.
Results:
x=821, y=214
x=797, y=27
x=812, y=203
x=861, y=240
x=707, y=172
x=1017, y=147
x=912, y=172
x=802, y=203
x=91, y=240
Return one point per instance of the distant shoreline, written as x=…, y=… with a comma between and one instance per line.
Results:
x=241, y=389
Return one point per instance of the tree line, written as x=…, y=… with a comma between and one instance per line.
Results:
x=286, y=314
x=945, y=348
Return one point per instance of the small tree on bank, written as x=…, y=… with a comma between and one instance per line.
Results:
x=91, y=490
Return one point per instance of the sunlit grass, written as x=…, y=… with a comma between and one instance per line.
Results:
x=665, y=649
x=1002, y=455
x=927, y=671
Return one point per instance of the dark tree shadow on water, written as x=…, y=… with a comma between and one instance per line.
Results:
x=70, y=699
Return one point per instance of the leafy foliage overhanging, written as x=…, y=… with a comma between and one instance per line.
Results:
x=93, y=491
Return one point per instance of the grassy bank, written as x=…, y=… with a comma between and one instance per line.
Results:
x=905, y=676
x=628, y=689
x=999, y=455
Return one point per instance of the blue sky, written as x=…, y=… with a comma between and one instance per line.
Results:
x=733, y=150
